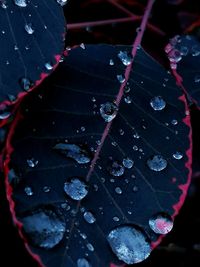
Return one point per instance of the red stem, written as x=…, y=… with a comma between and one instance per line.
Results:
x=135, y=46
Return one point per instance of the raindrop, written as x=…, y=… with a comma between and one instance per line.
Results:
x=76, y=189
x=129, y=244
x=21, y=3
x=108, y=111
x=121, y=78
x=157, y=163
x=177, y=155
x=44, y=228
x=3, y=4
x=128, y=99
x=125, y=58
x=158, y=103
x=89, y=217
x=116, y=169
x=25, y=84
x=28, y=28
x=48, y=66
x=118, y=190
x=174, y=122
x=82, y=262
x=195, y=51
x=90, y=247
x=197, y=78
x=62, y=2
x=174, y=56
x=128, y=163
x=75, y=152
x=115, y=219
x=161, y=223
x=111, y=62
x=46, y=189
x=32, y=162
x=4, y=112
x=28, y=191
x=184, y=50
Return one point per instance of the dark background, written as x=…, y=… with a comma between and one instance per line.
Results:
x=181, y=248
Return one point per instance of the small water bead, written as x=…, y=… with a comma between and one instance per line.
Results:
x=111, y=62
x=125, y=58
x=135, y=188
x=116, y=169
x=29, y=28
x=128, y=99
x=197, y=78
x=89, y=217
x=25, y=84
x=128, y=163
x=28, y=190
x=121, y=78
x=3, y=4
x=184, y=50
x=76, y=189
x=174, y=122
x=44, y=228
x=62, y=2
x=4, y=112
x=161, y=223
x=118, y=190
x=46, y=189
x=90, y=247
x=195, y=50
x=174, y=56
x=108, y=111
x=135, y=148
x=177, y=155
x=48, y=66
x=157, y=163
x=158, y=103
x=32, y=163
x=115, y=219
x=21, y=3
x=129, y=244
x=76, y=152
x=82, y=262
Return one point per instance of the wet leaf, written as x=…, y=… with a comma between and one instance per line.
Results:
x=130, y=175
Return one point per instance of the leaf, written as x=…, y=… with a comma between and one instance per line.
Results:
x=31, y=44
x=139, y=167
x=187, y=70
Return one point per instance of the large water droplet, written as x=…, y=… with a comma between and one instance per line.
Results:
x=161, y=223
x=29, y=28
x=44, y=228
x=76, y=189
x=21, y=3
x=128, y=163
x=116, y=169
x=82, y=262
x=129, y=244
x=125, y=58
x=89, y=217
x=76, y=152
x=157, y=163
x=158, y=103
x=108, y=111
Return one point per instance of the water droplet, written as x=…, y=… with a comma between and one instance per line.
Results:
x=4, y=112
x=82, y=262
x=89, y=217
x=157, y=163
x=128, y=99
x=195, y=50
x=121, y=78
x=108, y=111
x=178, y=155
x=44, y=228
x=125, y=58
x=129, y=244
x=32, y=162
x=174, y=122
x=76, y=189
x=46, y=189
x=21, y=3
x=25, y=84
x=76, y=152
x=111, y=62
x=90, y=247
x=29, y=28
x=184, y=50
x=3, y=4
x=158, y=103
x=62, y=2
x=28, y=191
x=128, y=163
x=197, y=78
x=161, y=223
x=118, y=190
x=116, y=169
x=174, y=56
x=48, y=66
x=115, y=219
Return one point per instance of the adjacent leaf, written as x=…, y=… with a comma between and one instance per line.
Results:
x=184, y=54
x=31, y=42
x=90, y=179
